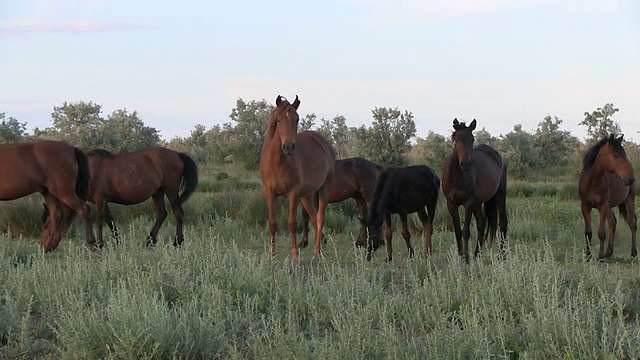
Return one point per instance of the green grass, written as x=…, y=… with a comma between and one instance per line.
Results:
x=219, y=296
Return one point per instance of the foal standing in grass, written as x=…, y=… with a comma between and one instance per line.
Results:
x=298, y=166
x=606, y=181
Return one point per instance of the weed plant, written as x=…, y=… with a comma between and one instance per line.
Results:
x=219, y=296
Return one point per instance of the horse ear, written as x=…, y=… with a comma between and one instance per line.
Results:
x=296, y=103
x=278, y=100
x=473, y=124
x=455, y=122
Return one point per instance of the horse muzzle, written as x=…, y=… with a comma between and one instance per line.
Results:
x=288, y=148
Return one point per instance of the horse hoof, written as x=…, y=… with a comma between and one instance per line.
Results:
x=303, y=244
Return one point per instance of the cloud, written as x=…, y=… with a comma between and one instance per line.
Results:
x=69, y=27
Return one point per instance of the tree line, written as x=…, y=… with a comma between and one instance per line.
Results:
x=390, y=139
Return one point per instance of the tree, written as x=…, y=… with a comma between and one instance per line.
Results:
x=518, y=148
x=307, y=122
x=128, y=132
x=81, y=125
x=11, y=130
x=338, y=134
x=553, y=145
x=78, y=124
x=434, y=150
x=599, y=123
x=484, y=137
x=388, y=141
x=247, y=137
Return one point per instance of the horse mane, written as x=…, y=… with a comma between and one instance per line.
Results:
x=590, y=157
x=375, y=214
x=101, y=153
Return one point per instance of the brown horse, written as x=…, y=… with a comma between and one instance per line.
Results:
x=132, y=178
x=354, y=178
x=403, y=191
x=605, y=182
x=58, y=171
x=474, y=176
x=298, y=166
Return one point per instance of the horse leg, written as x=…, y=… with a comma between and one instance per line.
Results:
x=388, y=233
x=273, y=225
x=455, y=218
x=502, y=219
x=362, y=209
x=305, y=229
x=100, y=209
x=293, y=224
x=480, y=225
x=322, y=208
x=427, y=226
x=161, y=214
x=178, y=214
x=108, y=218
x=611, y=222
x=466, y=232
x=406, y=235
x=82, y=209
x=586, y=214
x=603, y=210
x=632, y=221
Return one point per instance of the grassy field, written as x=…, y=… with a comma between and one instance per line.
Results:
x=220, y=297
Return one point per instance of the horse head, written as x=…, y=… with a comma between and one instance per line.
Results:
x=463, y=142
x=284, y=122
x=614, y=159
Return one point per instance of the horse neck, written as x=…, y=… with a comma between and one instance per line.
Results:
x=595, y=173
x=272, y=149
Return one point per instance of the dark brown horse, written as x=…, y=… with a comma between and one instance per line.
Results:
x=606, y=181
x=354, y=178
x=403, y=190
x=57, y=170
x=132, y=178
x=474, y=176
x=298, y=166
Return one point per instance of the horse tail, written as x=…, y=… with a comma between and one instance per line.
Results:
x=189, y=177
x=82, y=180
x=491, y=218
x=66, y=213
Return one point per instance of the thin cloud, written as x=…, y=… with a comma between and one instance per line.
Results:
x=70, y=27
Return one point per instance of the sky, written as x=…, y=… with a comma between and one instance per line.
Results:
x=183, y=63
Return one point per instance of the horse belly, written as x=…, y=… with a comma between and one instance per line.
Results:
x=12, y=190
x=618, y=191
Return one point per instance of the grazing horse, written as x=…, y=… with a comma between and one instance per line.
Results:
x=403, y=190
x=354, y=178
x=299, y=166
x=474, y=176
x=606, y=181
x=58, y=171
x=134, y=177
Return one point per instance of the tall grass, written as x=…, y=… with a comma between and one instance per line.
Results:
x=218, y=296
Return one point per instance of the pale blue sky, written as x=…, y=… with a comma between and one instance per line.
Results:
x=503, y=62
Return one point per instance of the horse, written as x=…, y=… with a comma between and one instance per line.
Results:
x=134, y=177
x=606, y=181
x=299, y=166
x=403, y=190
x=354, y=178
x=60, y=172
x=475, y=177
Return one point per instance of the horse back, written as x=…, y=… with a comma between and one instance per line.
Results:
x=490, y=168
x=31, y=167
x=133, y=177
x=406, y=190
x=316, y=159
